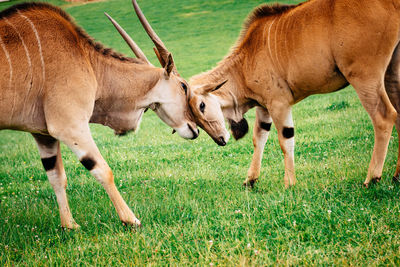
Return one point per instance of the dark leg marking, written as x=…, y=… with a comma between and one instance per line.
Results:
x=396, y=179
x=49, y=163
x=239, y=129
x=88, y=163
x=266, y=126
x=288, y=132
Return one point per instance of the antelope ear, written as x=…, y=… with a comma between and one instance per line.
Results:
x=209, y=88
x=169, y=65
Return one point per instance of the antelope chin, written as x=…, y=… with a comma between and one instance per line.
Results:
x=187, y=132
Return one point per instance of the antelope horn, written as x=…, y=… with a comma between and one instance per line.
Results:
x=135, y=48
x=158, y=55
x=162, y=50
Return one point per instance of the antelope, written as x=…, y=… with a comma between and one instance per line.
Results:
x=56, y=80
x=286, y=53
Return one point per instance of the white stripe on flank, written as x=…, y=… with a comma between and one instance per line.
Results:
x=28, y=58
x=41, y=56
x=11, y=72
x=23, y=43
x=286, y=51
x=269, y=34
x=276, y=46
x=39, y=43
x=8, y=60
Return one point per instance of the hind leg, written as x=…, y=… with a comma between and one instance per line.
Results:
x=392, y=86
x=376, y=102
x=261, y=130
x=396, y=177
x=50, y=154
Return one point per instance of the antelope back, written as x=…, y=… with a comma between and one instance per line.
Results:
x=39, y=48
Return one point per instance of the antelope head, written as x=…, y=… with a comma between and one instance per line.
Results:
x=207, y=110
x=171, y=94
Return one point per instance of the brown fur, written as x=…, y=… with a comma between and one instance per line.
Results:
x=286, y=53
x=261, y=12
x=56, y=79
x=39, y=6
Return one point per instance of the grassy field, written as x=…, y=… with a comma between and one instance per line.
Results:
x=188, y=194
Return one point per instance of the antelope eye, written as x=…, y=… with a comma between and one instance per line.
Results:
x=202, y=107
x=184, y=88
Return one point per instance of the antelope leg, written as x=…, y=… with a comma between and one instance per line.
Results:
x=392, y=87
x=80, y=141
x=261, y=130
x=50, y=154
x=281, y=114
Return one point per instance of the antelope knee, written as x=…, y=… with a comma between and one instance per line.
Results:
x=88, y=162
x=101, y=172
x=288, y=132
x=49, y=163
x=265, y=126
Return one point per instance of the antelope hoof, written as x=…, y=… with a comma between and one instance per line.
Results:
x=376, y=180
x=396, y=179
x=373, y=181
x=250, y=183
x=70, y=224
x=135, y=222
x=288, y=186
x=74, y=226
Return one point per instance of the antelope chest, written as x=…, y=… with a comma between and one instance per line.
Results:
x=124, y=122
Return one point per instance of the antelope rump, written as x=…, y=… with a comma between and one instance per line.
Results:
x=56, y=79
x=288, y=52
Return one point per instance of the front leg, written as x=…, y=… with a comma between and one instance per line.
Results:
x=282, y=117
x=261, y=130
x=80, y=141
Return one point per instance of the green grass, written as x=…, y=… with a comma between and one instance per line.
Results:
x=188, y=194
